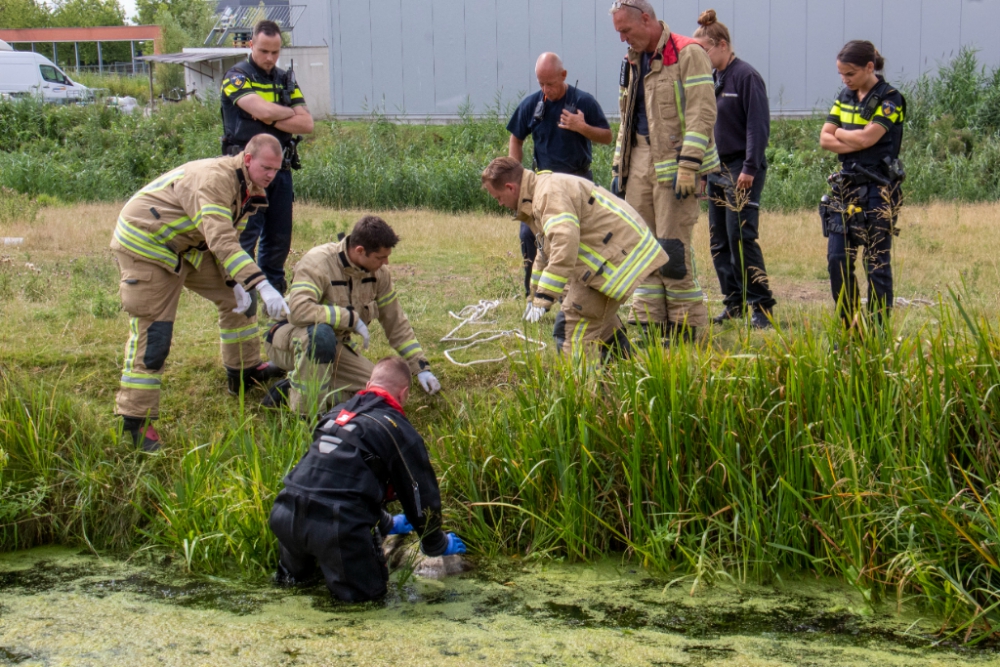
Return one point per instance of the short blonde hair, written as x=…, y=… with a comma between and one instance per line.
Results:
x=501, y=171
x=392, y=374
x=262, y=141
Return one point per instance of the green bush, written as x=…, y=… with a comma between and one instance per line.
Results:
x=951, y=148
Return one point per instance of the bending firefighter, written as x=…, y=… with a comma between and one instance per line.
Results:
x=338, y=290
x=865, y=130
x=665, y=143
x=182, y=230
x=364, y=453
x=593, y=249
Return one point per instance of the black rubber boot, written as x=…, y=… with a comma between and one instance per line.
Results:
x=617, y=346
x=677, y=333
x=725, y=316
x=248, y=378
x=277, y=395
x=142, y=433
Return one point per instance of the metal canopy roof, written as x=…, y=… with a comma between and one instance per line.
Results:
x=195, y=56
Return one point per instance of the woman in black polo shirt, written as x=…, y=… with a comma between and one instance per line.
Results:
x=865, y=129
x=742, y=129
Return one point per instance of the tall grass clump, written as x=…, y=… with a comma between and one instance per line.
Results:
x=118, y=85
x=877, y=464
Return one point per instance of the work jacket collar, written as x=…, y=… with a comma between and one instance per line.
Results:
x=656, y=63
x=260, y=70
x=385, y=396
x=247, y=187
x=527, y=193
x=345, y=261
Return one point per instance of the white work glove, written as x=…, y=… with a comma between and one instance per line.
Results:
x=274, y=303
x=243, y=299
x=527, y=309
x=362, y=330
x=533, y=313
x=428, y=382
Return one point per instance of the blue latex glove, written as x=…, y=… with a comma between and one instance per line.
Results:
x=401, y=525
x=455, y=545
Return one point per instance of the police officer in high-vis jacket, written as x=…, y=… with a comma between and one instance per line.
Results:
x=665, y=144
x=865, y=130
x=182, y=230
x=259, y=97
x=330, y=517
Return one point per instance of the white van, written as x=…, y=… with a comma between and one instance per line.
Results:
x=27, y=73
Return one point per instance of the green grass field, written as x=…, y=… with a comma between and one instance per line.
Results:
x=745, y=456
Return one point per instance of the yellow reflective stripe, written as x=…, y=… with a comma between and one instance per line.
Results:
x=698, y=80
x=132, y=344
x=559, y=219
x=237, y=262
x=333, y=316
x=239, y=335
x=635, y=266
x=620, y=212
x=409, y=349
x=215, y=209
x=171, y=229
x=134, y=380
x=593, y=259
x=535, y=278
x=649, y=291
x=386, y=299
x=696, y=139
x=161, y=183
x=579, y=331
x=685, y=294
x=710, y=161
x=306, y=286
x=552, y=282
x=195, y=257
x=143, y=244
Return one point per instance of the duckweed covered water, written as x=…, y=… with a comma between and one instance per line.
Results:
x=58, y=607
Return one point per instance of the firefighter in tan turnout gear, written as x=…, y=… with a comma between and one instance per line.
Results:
x=665, y=144
x=182, y=230
x=593, y=248
x=338, y=289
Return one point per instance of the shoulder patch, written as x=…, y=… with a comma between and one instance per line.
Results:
x=888, y=108
x=238, y=81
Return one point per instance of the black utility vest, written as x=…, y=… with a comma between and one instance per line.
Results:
x=239, y=126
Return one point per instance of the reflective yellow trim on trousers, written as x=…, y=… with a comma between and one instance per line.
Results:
x=239, y=335
x=145, y=381
x=685, y=295
x=579, y=331
x=132, y=345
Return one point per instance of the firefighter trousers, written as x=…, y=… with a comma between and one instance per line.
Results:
x=324, y=369
x=591, y=320
x=150, y=294
x=671, y=294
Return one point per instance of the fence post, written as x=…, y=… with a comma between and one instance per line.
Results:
x=76, y=50
x=100, y=59
x=55, y=54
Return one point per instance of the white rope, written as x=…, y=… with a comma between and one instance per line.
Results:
x=476, y=315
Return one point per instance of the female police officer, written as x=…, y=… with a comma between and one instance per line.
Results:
x=742, y=128
x=865, y=129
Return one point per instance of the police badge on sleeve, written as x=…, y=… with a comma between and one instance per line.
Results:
x=238, y=81
x=888, y=108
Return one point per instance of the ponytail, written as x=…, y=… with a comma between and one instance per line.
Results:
x=859, y=53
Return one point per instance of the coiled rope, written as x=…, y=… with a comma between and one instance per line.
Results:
x=476, y=315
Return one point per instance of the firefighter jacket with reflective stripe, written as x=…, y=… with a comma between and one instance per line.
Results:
x=246, y=78
x=584, y=234
x=680, y=108
x=328, y=288
x=360, y=449
x=197, y=209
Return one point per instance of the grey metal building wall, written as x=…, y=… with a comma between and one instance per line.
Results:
x=425, y=58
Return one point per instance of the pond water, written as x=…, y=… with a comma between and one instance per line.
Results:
x=61, y=607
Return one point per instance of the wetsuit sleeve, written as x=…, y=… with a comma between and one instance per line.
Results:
x=397, y=325
x=561, y=227
x=700, y=109
x=758, y=115
x=415, y=461
x=205, y=200
x=305, y=298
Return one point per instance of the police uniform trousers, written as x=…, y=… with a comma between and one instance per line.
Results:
x=875, y=242
x=272, y=228
x=150, y=294
x=590, y=320
x=339, y=537
x=325, y=370
x=733, y=229
x=672, y=294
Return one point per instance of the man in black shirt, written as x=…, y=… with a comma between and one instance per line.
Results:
x=364, y=453
x=259, y=97
x=562, y=121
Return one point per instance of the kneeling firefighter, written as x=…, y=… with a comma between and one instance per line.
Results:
x=331, y=511
x=865, y=129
